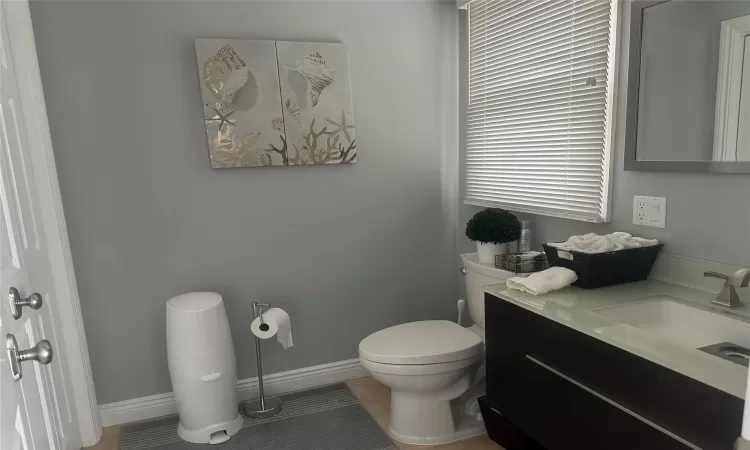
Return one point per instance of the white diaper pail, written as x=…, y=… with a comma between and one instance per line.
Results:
x=201, y=361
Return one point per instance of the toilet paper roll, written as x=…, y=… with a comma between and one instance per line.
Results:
x=275, y=323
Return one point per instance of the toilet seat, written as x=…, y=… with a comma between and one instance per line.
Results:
x=417, y=369
x=425, y=342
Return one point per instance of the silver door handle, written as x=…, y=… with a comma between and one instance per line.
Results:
x=33, y=301
x=41, y=353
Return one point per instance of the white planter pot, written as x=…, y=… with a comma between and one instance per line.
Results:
x=486, y=251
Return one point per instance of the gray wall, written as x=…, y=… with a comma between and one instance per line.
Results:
x=679, y=68
x=708, y=216
x=346, y=250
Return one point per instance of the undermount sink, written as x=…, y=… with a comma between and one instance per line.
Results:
x=667, y=318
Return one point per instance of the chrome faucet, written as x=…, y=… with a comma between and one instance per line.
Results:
x=728, y=296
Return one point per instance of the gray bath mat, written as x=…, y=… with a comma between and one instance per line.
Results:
x=325, y=418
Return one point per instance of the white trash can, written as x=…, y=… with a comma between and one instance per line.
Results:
x=203, y=369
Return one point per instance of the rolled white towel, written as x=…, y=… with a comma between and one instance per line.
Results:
x=646, y=242
x=542, y=282
x=625, y=239
x=561, y=245
x=593, y=243
x=630, y=241
x=587, y=243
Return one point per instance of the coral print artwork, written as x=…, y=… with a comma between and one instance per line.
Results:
x=269, y=103
x=241, y=99
x=316, y=95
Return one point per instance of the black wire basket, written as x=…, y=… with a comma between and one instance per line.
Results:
x=605, y=269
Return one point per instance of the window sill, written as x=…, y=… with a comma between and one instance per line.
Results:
x=540, y=212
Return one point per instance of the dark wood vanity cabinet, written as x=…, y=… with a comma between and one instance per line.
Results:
x=569, y=391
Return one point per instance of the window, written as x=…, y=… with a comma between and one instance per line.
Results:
x=539, y=118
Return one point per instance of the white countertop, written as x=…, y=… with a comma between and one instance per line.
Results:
x=574, y=308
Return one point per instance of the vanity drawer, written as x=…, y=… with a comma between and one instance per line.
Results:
x=701, y=415
x=563, y=414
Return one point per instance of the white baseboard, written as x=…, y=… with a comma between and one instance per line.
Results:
x=144, y=408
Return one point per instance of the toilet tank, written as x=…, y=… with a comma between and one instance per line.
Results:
x=478, y=276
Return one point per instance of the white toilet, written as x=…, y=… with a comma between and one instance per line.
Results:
x=430, y=365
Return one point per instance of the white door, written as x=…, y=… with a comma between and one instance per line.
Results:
x=36, y=409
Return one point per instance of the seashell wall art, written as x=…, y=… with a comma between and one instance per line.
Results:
x=276, y=103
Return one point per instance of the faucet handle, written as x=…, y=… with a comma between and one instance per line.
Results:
x=741, y=278
x=716, y=275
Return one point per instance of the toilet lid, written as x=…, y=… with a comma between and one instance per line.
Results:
x=425, y=342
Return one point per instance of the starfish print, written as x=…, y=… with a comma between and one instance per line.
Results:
x=342, y=126
x=221, y=119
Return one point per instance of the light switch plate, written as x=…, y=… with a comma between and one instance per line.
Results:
x=650, y=211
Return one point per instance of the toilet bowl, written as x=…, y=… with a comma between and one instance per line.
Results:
x=426, y=365
x=431, y=367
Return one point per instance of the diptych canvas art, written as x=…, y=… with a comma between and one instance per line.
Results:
x=274, y=103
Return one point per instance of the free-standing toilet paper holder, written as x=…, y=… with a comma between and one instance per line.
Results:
x=262, y=407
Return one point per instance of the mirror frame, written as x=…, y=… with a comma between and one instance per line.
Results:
x=631, y=120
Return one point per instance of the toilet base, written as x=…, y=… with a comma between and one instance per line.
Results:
x=468, y=427
x=427, y=420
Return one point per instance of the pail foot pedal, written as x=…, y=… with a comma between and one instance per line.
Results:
x=218, y=437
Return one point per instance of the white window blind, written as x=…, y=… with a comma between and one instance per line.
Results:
x=540, y=105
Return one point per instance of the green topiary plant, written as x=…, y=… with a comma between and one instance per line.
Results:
x=494, y=225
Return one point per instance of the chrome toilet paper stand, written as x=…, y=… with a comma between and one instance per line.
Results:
x=262, y=407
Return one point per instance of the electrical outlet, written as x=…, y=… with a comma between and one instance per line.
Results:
x=640, y=208
x=650, y=211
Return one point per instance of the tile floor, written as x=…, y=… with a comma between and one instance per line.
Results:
x=376, y=399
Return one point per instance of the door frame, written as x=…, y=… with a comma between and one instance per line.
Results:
x=23, y=48
x=734, y=33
